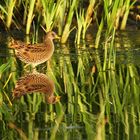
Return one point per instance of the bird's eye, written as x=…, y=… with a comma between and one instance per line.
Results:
x=53, y=34
x=54, y=100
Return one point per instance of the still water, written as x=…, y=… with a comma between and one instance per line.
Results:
x=99, y=97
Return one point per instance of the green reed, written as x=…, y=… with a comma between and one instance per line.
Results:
x=10, y=5
x=72, y=6
x=119, y=9
x=7, y=10
x=25, y=5
x=3, y=13
x=60, y=15
x=60, y=19
x=84, y=20
x=30, y=15
x=98, y=35
x=71, y=88
x=88, y=17
x=79, y=17
x=97, y=97
x=125, y=8
x=51, y=11
x=112, y=12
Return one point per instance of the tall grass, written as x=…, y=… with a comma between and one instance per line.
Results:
x=66, y=31
x=60, y=15
x=51, y=11
x=10, y=5
x=30, y=15
x=7, y=12
x=84, y=20
x=60, y=19
x=113, y=12
x=126, y=7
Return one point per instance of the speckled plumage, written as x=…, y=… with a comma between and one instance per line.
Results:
x=35, y=53
x=36, y=83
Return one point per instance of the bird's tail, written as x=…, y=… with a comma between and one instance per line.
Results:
x=12, y=43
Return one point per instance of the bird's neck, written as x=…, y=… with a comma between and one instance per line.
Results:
x=49, y=44
x=50, y=98
x=48, y=41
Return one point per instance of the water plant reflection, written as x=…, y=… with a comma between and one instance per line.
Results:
x=102, y=96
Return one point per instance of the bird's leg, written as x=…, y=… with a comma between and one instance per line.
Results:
x=34, y=69
x=26, y=66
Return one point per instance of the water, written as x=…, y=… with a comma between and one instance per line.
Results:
x=99, y=99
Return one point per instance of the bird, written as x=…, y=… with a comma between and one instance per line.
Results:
x=35, y=54
x=36, y=82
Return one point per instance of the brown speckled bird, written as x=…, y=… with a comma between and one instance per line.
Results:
x=36, y=83
x=35, y=53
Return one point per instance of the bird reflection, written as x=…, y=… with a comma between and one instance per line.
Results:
x=36, y=82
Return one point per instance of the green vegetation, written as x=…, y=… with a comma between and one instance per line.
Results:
x=99, y=96
x=61, y=14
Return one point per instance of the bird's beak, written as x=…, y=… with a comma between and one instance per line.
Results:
x=58, y=98
x=57, y=37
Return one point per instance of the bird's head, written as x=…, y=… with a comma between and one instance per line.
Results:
x=52, y=99
x=51, y=35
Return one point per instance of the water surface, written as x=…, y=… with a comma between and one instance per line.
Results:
x=99, y=97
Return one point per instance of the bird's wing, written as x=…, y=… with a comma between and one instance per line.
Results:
x=28, y=84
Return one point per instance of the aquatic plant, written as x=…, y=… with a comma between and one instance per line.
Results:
x=79, y=17
x=94, y=97
x=88, y=17
x=50, y=12
x=125, y=12
x=7, y=10
x=61, y=14
x=30, y=15
x=83, y=22
x=61, y=17
x=66, y=31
